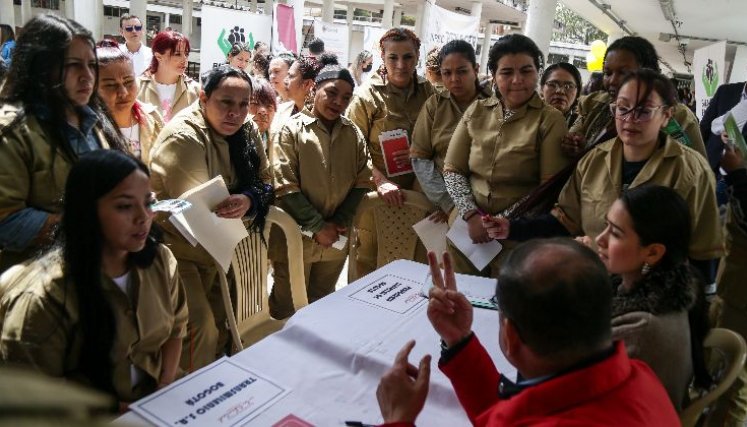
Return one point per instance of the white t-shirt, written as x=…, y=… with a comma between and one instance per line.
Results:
x=140, y=59
x=132, y=135
x=166, y=96
x=123, y=283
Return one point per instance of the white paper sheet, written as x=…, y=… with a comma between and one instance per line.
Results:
x=390, y=292
x=739, y=112
x=224, y=393
x=478, y=290
x=219, y=236
x=432, y=234
x=480, y=254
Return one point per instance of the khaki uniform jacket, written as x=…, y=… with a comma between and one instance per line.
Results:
x=322, y=166
x=187, y=92
x=378, y=107
x=435, y=126
x=151, y=126
x=506, y=159
x=189, y=153
x=282, y=115
x=40, y=314
x=733, y=268
x=597, y=182
x=594, y=116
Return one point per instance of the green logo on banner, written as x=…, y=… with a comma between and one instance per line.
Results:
x=235, y=35
x=710, y=77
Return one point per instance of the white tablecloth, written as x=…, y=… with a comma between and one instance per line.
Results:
x=332, y=353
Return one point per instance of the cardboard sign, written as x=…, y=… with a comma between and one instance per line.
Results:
x=223, y=393
x=391, y=293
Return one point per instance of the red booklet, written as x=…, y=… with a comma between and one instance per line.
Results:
x=392, y=142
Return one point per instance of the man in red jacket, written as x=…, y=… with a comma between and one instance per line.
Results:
x=554, y=301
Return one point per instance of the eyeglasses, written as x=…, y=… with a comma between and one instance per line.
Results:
x=131, y=28
x=640, y=114
x=564, y=86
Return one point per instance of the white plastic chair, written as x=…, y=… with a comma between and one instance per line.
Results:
x=249, y=320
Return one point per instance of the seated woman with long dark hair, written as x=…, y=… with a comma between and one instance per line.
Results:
x=212, y=138
x=50, y=115
x=105, y=307
x=658, y=308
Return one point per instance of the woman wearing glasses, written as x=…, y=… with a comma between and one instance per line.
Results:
x=596, y=125
x=164, y=83
x=561, y=87
x=641, y=153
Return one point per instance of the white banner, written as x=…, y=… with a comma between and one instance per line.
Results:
x=336, y=39
x=739, y=66
x=371, y=37
x=444, y=26
x=221, y=28
x=709, y=69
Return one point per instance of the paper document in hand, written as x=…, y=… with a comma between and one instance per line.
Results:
x=342, y=240
x=432, y=234
x=224, y=393
x=480, y=254
x=735, y=133
x=391, y=142
x=219, y=236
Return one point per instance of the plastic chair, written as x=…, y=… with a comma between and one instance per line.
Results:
x=394, y=234
x=727, y=356
x=249, y=320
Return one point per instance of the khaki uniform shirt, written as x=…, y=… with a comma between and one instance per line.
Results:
x=282, y=115
x=323, y=166
x=595, y=116
x=40, y=313
x=589, y=193
x=378, y=107
x=189, y=153
x=151, y=126
x=506, y=159
x=435, y=126
x=187, y=92
x=733, y=268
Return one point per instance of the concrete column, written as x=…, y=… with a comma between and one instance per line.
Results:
x=398, y=12
x=167, y=18
x=25, y=12
x=421, y=20
x=7, y=14
x=187, y=18
x=138, y=8
x=386, y=18
x=254, y=6
x=349, y=17
x=540, y=17
x=328, y=11
x=611, y=37
x=268, y=7
x=70, y=9
x=486, y=44
x=476, y=8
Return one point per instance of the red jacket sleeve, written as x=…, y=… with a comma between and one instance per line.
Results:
x=474, y=378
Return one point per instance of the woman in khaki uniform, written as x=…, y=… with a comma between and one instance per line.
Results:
x=164, y=83
x=212, y=138
x=105, y=307
x=504, y=146
x=641, y=154
x=47, y=119
x=322, y=173
x=595, y=124
x=299, y=82
x=390, y=100
x=139, y=123
x=439, y=117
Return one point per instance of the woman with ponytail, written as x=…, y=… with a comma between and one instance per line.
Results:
x=659, y=307
x=212, y=138
x=457, y=66
x=390, y=100
x=104, y=307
